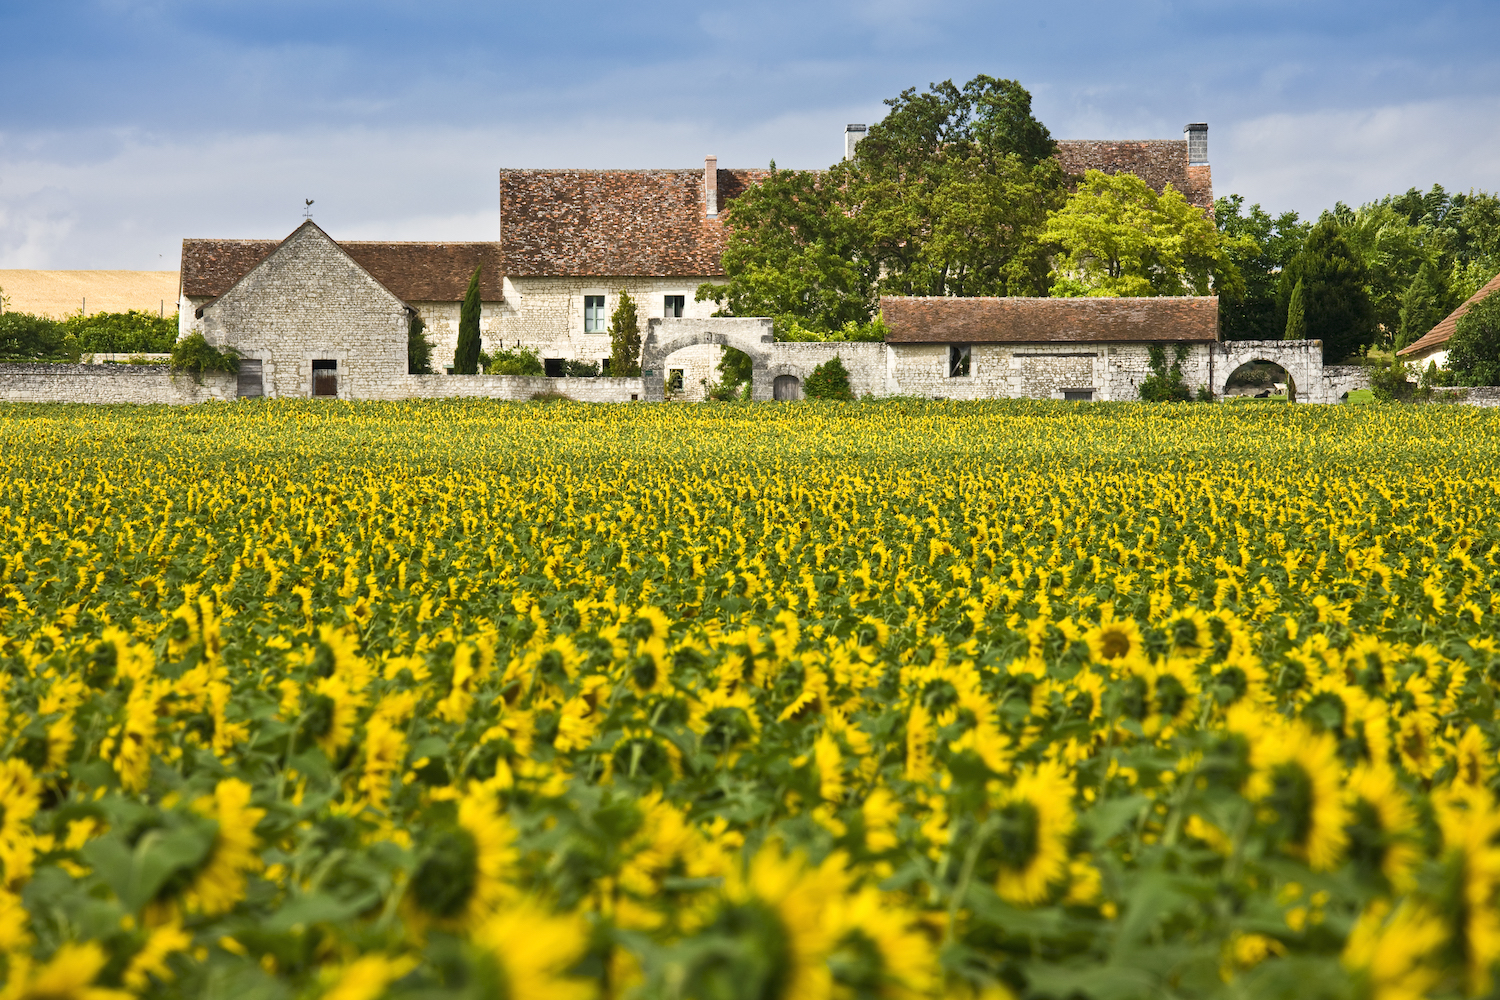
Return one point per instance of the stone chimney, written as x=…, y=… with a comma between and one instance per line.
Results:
x=711, y=185
x=1197, y=142
x=852, y=135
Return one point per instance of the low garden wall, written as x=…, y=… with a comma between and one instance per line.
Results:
x=50, y=383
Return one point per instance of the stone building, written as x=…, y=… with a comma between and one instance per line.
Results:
x=572, y=240
x=431, y=278
x=1182, y=163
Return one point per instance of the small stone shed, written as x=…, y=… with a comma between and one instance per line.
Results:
x=1034, y=348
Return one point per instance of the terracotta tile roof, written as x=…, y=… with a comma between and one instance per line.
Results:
x=414, y=272
x=637, y=223
x=1439, y=335
x=1158, y=162
x=912, y=320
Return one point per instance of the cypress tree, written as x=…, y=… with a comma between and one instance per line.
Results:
x=466, y=357
x=418, y=348
x=1423, y=305
x=1335, y=299
x=1296, y=317
x=624, y=339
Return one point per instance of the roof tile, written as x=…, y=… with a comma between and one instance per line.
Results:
x=414, y=272
x=915, y=320
x=1439, y=335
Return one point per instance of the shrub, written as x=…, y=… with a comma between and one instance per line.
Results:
x=1391, y=381
x=830, y=380
x=581, y=369
x=196, y=356
x=24, y=337
x=521, y=361
x=1164, y=384
x=123, y=333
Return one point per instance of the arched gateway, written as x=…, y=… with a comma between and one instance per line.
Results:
x=1302, y=360
x=664, y=337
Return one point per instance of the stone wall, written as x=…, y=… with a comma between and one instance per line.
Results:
x=546, y=314
x=441, y=320
x=866, y=363
x=1340, y=380
x=310, y=301
x=46, y=383
x=1036, y=371
x=508, y=387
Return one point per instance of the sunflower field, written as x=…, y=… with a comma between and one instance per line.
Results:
x=897, y=699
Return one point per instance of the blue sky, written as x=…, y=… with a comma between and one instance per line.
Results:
x=126, y=126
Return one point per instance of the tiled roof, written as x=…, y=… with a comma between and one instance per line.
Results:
x=912, y=320
x=609, y=223
x=1439, y=335
x=414, y=272
x=1158, y=162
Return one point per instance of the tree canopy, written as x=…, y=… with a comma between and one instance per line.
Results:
x=1118, y=237
x=1474, y=351
x=1266, y=246
x=1336, y=304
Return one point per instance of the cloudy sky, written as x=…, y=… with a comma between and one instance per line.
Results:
x=128, y=125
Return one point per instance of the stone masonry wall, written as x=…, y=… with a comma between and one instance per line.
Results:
x=309, y=301
x=1035, y=371
x=45, y=383
x=508, y=387
x=547, y=313
x=441, y=319
x=865, y=362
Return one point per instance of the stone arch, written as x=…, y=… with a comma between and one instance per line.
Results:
x=1302, y=360
x=665, y=337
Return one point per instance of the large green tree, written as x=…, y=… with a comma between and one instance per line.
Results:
x=1117, y=236
x=1335, y=301
x=945, y=196
x=1424, y=304
x=1273, y=242
x=466, y=355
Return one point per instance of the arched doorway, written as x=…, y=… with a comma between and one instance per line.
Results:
x=786, y=389
x=1261, y=380
x=665, y=337
x=1298, y=365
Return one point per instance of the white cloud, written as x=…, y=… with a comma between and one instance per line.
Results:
x=1309, y=161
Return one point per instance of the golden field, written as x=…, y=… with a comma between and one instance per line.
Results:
x=902, y=699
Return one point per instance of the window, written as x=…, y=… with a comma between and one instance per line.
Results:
x=671, y=306
x=593, y=314
x=554, y=367
x=1079, y=395
x=325, y=378
x=604, y=367
x=250, y=385
x=674, y=379
x=958, y=360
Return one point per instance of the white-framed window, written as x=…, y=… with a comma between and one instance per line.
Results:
x=958, y=361
x=672, y=305
x=593, y=314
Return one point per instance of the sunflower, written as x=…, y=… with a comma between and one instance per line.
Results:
x=780, y=903
x=1393, y=953
x=367, y=977
x=1087, y=695
x=1473, y=760
x=1297, y=783
x=1470, y=825
x=220, y=882
x=68, y=976
x=1416, y=744
x=1191, y=635
x=331, y=715
x=459, y=883
x=879, y=952
x=1240, y=679
x=1034, y=818
x=1174, y=696
x=1116, y=642
x=20, y=797
x=1381, y=827
x=533, y=950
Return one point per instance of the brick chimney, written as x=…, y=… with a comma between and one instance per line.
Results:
x=852, y=135
x=711, y=185
x=1197, y=140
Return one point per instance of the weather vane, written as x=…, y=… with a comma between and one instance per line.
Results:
x=307, y=208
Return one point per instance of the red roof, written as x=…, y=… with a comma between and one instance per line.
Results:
x=916, y=320
x=1439, y=335
x=414, y=272
x=1158, y=162
x=614, y=223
